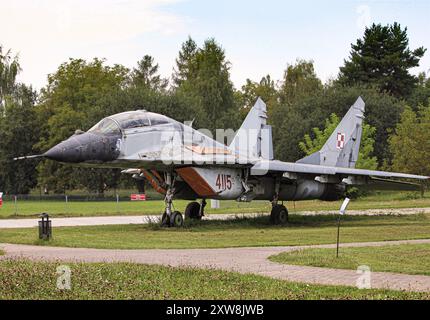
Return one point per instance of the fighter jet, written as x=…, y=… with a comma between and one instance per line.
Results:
x=183, y=163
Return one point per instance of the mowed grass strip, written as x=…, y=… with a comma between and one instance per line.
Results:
x=23, y=279
x=239, y=232
x=410, y=259
x=28, y=209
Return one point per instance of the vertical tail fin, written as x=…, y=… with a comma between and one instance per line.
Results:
x=254, y=138
x=341, y=149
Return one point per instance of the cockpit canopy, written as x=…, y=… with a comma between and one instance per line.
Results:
x=129, y=120
x=106, y=126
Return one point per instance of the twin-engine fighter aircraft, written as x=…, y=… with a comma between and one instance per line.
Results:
x=183, y=163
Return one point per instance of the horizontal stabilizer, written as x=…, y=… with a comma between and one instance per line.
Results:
x=384, y=184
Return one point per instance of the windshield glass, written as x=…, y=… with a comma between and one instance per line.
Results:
x=106, y=126
x=133, y=119
x=157, y=118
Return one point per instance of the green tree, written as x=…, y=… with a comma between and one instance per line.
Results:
x=265, y=89
x=294, y=113
x=147, y=74
x=9, y=69
x=365, y=159
x=299, y=79
x=383, y=58
x=18, y=134
x=421, y=94
x=184, y=62
x=410, y=142
x=75, y=98
x=204, y=81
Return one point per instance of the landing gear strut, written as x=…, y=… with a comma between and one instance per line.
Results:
x=171, y=218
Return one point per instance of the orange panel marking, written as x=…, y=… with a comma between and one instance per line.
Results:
x=157, y=175
x=196, y=182
x=155, y=184
x=208, y=150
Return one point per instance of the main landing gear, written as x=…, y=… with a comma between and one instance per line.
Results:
x=279, y=213
x=195, y=210
x=170, y=218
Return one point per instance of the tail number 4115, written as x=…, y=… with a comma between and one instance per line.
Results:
x=223, y=182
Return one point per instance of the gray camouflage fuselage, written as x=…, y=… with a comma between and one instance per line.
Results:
x=155, y=145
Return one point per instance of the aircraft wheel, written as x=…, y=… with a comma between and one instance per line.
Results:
x=165, y=220
x=192, y=211
x=279, y=214
x=176, y=220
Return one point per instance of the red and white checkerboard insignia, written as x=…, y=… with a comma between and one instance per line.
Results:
x=340, y=144
x=138, y=197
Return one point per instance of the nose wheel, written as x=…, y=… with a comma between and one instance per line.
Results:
x=171, y=218
x=176, y=220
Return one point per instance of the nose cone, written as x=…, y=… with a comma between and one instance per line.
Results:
x=85, y=147
x=66, y=151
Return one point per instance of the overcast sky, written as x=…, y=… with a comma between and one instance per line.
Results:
x=259, y=37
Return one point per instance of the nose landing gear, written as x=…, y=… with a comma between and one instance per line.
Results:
x=171, y=218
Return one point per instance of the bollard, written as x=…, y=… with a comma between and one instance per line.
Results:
x=45, y=228
x=215, y=204
x=342, y=211
x=16, y=205
x=117, y=203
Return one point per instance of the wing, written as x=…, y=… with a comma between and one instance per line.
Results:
x=348, y=176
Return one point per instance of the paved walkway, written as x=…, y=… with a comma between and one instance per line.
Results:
x=100, y=221
x=244, y=260
x=117, y=220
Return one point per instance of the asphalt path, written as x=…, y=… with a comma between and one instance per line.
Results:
x=143, y=219
x=243, y=260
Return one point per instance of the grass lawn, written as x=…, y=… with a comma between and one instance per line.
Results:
x=27, y=209
x=410, y=259
x=239, y=232
x=24, y=279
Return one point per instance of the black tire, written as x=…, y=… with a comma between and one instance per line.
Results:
x=192, y=211
x=176, y=220
x=165, y=220
x=279, y=214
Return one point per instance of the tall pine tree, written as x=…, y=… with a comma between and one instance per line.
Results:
x=383, y=58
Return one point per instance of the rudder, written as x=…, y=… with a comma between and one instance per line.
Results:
x=342, y=148
x=254, y=138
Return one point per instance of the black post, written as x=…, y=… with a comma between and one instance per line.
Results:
x=45, y=227
x=338, y=231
